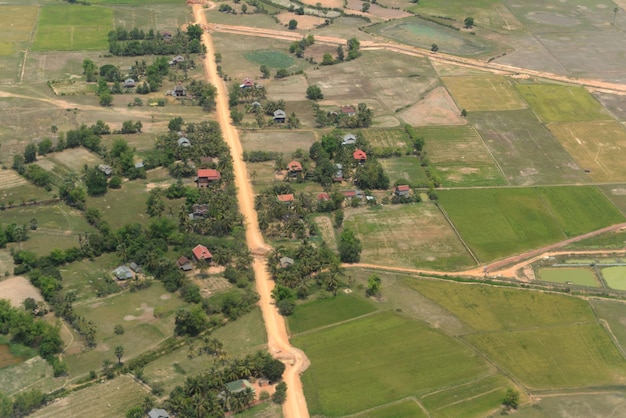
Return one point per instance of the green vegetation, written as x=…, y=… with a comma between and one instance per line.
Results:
x=577, y=276
x=328, y=311
x=405, y=170
x=378, y=359
x=615, y=277
x=500, y=222
x=558, y=103
x=484, y=93
x=403, y=409
x=614, y=313
x=72, y=28
x=270, y=58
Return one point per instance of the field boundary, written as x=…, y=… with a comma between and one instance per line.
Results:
x=469, y=250
x=492, y=157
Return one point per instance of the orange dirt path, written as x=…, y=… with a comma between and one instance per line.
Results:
x=278, y=340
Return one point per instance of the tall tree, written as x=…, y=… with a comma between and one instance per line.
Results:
x=119, y=352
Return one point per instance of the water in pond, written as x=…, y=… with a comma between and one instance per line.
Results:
x=6, y=358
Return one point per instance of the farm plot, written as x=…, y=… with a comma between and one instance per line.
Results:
x=568, y=356
x=596, y=405
x=270, y=58
x=579, y=209
x=616, y=194
x=386, y=138
x=615, y=277
x=115, y=397
x=17, y=23
x=416, y=359
x=82, y=277
x=325, y=229
x=578, y=276
x=484, y=93
x=385, y=81
x=409, y=236
x=34, y=373
x=436, y=108
x=500, y=222
x=559, y=103
x=614, y=313
x=460, y=156
x=69, y=28
x=10, y=179
x=526, y=151
x=403, y=409
x=486, y=308
x=74, y=159
x=329, y=311
x=405, y=169
x=286, y=142
x=160, y=16
x=597, y=147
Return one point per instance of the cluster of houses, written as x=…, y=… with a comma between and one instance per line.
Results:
x=200, y=254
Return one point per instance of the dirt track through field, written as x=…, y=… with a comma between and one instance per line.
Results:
x=278, y=340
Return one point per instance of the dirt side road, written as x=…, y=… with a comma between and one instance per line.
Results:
x=278, y=340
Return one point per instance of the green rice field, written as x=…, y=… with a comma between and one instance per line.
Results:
x=558, y=103
x=273, y=59
x=615, y=277
x=578, y=276
x=484, y=93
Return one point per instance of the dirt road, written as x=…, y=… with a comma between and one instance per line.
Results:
x=388, y=45
x=278, y=340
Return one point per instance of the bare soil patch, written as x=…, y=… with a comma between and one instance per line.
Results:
x=437, y=108
x=17, y=289
x=325, y=3
x=304, y=21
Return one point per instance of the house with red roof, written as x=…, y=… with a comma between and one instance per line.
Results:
x=285, y=198
x=184, y=264
x=347, y=110
x=402, y=190
x=359, y=155
x=200, y=252
x=247, y=83
x=207, y=176
x=294, y=168
x=323, y=196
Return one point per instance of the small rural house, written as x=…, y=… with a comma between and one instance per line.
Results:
x=207, y=176
x=247, y=83
x=167, y=36
x=106, y=169
x=140, y=164
x=200, y=252
x=239, y=386
x=280, y=116
x=199, y=211
x=347, y=110
x=184, y=264
x=123, y=273
x=255, y=105
x=360, y=156
x=402, y=190
x=348, y=139
x=158, y=413
x=179, y=91
x=135, y=267
x=184, y=142
x=286, y=262
x=129, y=83
x=323, y=197
x=294, y=168
x=177, y=59
x=285, y=198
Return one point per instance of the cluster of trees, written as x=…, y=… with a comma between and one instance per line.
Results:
x=12, y=233
x=298, y=47
x=206, y=393
x=23, y=403
x=361, y=119
x=138, y=42
x=25, y=328
x=417, y=143
x=354, y=51
x=204, y=93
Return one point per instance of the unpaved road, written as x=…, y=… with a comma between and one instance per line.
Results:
x=278, y=340
x=388, y=45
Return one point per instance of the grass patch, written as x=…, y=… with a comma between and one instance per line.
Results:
x=500, y=222
x=17, y=23
x=577, y=276
x=614, y=313
x=329, y=311
x=559, y=103
x=597, y=405
x=568, y=356
x=386, y=138
x=486, y=308
x=113, y=396
x=580, y=209
x=615, y=277
x=34, y=373
x=273, y=59
x=406, y=169
x=411, y=359
x=526, y=150
x=483, y=93
x=72, y=28
x=404, y=409
x=244, y=335
x=596, y=147
x=415, y=235
x=286, y=142
x=474, y=399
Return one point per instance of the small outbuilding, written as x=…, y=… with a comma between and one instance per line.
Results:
x=158, y=413
x=184, y=264
x=294, y=167
x=402, y=190
x=286, y=262
x=183, y=142
x=280, y=116
x=129, y=83
x=348, y=139
x=123, y=273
